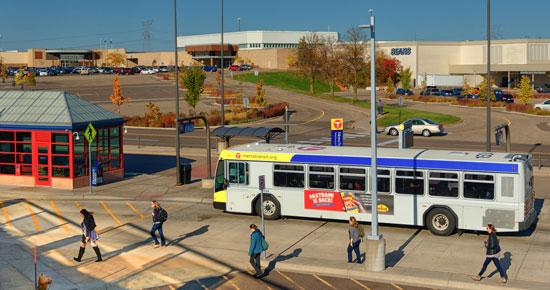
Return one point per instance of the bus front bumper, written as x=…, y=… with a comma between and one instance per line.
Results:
x=219, y=205
x=529, y=221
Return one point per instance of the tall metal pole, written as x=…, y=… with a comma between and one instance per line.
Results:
x=239, y=24
x=90, y=164
x=286, y=124
x=488, y=97
x=178, y=161
x=374, y=153
x=221, y=66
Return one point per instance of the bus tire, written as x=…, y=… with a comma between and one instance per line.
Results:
x=441, y=222
x=272, y=207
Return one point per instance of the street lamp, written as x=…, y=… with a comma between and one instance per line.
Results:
x=488, y=96
x=239, y=24
x=376, y=245
x=221, y=67
x=177, y=132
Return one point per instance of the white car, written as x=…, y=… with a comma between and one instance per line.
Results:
x=544, y=105
x=419, y=126
x=147, y=71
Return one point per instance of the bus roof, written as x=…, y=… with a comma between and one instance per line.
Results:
x=393, y=157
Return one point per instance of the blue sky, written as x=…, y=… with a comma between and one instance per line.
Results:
x=82, y=24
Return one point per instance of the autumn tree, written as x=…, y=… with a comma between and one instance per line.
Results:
x=424, y=83
x=405, y=78
x=386, y=67
x=193, y=79
x=307, y=62
x=466, y=88
x=23, y=78
x=117, y=98
x=352, y=55
x=115, y=59
x=525, y=90
x=330, y=68
x=3, y=71
x=483, y=90
x=153, y=114
x=390, y=86
x=259, y=99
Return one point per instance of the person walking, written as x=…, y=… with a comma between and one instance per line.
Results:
x=89, y=235
x=256, y=248
x=492, y=255
x=355, y=234
x=380, y=107
x=159, y=217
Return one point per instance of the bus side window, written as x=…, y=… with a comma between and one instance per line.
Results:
x=443, y=184
x=479, y=186
x=238, y=172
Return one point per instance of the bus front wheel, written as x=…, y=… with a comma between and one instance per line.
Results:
x=441, y=222
x=271, y=207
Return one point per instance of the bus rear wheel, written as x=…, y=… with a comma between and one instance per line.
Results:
x=441, y=222
x=271, y=207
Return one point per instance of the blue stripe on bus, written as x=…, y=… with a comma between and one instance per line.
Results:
x=409, y=163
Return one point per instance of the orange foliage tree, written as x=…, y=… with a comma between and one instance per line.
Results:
x=117, y=98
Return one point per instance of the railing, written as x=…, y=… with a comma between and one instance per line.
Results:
x=541, y=159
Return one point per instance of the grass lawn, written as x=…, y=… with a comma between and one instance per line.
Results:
x=292, y=82
x=285, y=80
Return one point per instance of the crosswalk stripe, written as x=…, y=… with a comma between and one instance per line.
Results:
x=324, y=282
x=202, y=285
x=360, y=284
x=77, y=204
x=110, y=212
x=37, y=225
x=231, y=282
x=135, y=210
x=5, y=212
x=60, y=217
x=290, y=280
x=396, y=286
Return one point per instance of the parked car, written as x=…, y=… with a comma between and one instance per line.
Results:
x=543, y=90
x=163, y=69
x=544, y=105
x=456, y=92
x=210, y=68
x=401, y=91
x=245, y=66
x=424, y=127
x=431, y=92
x=446, y=93
x=500, y=96
x=147, y=71
x=234, y=67
x=43, y=72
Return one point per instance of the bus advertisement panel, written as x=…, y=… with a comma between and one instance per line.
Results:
x=351, y=202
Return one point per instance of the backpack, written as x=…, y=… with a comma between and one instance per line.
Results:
x=361, y=231
x=163, y=215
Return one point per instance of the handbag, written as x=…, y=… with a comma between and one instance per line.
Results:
x=265, y=245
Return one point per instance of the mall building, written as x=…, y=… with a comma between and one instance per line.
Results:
x=510, y=59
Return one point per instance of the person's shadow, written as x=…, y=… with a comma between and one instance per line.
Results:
x=281, y=258
x=196, y=232
x=505, y=263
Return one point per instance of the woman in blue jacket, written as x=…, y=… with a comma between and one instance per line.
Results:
x=256, y=248
x=492, y=254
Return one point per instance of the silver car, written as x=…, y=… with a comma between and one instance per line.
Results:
x=424, y=127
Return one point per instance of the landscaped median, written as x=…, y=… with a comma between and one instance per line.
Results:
x=290, y=81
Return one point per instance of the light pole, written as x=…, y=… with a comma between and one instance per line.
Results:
x=221, y=67
x=376, y=245
x=178, y=161
x=239, y=24
x=488, y=96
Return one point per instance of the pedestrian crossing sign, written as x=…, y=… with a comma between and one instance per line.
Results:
x=90, y=133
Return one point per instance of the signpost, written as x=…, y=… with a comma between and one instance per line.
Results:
x=261, y=185
x=337, y=132
x=287, y=115
x=90, y=133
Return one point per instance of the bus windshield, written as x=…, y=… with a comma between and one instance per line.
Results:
x=220, y=179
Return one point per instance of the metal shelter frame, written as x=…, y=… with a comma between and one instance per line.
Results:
x=265, y=133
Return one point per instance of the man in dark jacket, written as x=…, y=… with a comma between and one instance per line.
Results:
x=159, y=217
x=255, y=249
x=492, y=254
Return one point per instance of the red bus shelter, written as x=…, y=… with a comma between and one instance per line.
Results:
x=42, y=140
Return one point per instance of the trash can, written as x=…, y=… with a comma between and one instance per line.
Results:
x=185, y=173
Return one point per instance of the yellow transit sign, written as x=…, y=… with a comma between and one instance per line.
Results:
x=90, y=133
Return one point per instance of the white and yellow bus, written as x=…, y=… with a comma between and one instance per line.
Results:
x=443, y=190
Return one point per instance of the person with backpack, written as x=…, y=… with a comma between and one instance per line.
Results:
x=492, y=255
x=257, y=246
x=355, y=234
x=89, y=235
x=159, y=217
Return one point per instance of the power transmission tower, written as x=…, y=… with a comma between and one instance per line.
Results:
x=147, y=34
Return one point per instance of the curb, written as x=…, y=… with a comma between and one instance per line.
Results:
x=412, y=278
x=105, y=198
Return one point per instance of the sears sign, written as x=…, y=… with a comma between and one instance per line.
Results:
x=401, y=51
